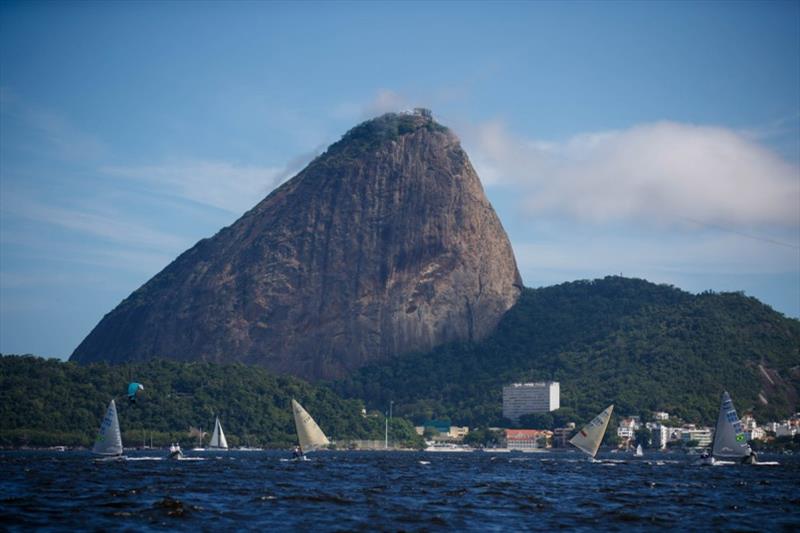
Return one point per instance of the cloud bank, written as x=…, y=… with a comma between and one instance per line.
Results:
x=663, y=173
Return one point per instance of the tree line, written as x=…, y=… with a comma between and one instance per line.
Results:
x=48, y=402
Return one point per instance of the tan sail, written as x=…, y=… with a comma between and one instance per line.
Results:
x=309, y=435
x=589, y=438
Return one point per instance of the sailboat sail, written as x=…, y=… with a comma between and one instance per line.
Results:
x=309, y=435
x=639, y=452
x=218, y=439
x=589, y=438
x=729, y=439
x=109, y=439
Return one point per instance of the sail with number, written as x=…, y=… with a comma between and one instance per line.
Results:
x=729, y=437
x=589, y=438
x=309, y=435
x=109, y=439
x=218, y=440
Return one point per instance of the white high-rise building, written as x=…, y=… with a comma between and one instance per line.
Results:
x=526, y=398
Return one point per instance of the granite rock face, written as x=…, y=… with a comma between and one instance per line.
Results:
x=384, y=244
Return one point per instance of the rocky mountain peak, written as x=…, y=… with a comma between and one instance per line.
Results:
x=384, y=244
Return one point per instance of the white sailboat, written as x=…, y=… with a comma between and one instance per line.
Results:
x=639, y=452
x=218, y=441
x=309, y=435
x=730, y=442
x=588, y=439
x=108, y=443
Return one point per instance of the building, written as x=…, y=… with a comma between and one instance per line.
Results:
x=562, y=435
x=703, y=436
x=661, y=416
x=528, y=439
x=627, y=427
x=661, y=436
x=441, y=430
x=458, y=432
x=528, y=398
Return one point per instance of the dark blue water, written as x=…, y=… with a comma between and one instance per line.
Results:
x=393, y=491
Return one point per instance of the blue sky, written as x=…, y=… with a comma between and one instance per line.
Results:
x=656, y=140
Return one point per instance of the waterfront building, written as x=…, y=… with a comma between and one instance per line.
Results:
x=661, y=436
x=661, y=416
x=786, y=430
x=442, y=431
x=627, y=427
x=703, y=436
x=528, y=398
x=562, y=435
x=458, y=432
x=755, y=433
x=528, y=439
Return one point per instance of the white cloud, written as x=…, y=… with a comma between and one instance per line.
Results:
x=663, y=173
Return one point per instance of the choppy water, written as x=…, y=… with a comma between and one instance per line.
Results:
x=393, y=491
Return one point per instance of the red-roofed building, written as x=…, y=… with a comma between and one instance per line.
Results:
x=528, y=439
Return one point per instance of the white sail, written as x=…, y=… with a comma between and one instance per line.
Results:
x=639, y=452
x=589, y=438
x=309, y=435
x=218, y=439
x=729, y=438
x=109, y=439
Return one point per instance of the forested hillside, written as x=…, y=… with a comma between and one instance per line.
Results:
x=641, y=346
x=50, y=402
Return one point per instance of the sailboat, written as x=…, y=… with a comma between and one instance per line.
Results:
x=639, y=452
x=309, y=435
x=218, y=441
x=730, y=442
x=589, y=438
x=108, y=443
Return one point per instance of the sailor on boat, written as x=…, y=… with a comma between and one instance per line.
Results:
x=750, y=459
x=175, y=451
x=298, y=454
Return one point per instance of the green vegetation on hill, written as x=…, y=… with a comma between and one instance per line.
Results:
x=371, y=133
x=50, y=402
x=641, y=346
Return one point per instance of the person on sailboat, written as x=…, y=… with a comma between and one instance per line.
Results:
x=298, y=453
x=750, y=459
x=175, y=451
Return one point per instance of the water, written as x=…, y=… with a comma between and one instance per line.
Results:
x=393, y=491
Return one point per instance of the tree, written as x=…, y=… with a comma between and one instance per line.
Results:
x=536, y=421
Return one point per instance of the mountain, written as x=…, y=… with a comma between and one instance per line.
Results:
x=641, y=346
x=384, y=244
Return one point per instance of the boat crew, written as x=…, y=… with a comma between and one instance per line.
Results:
x=298, y=453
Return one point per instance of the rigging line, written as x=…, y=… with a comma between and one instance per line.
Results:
x=742, y=234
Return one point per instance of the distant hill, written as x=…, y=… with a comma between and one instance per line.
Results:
x=639, y=345
x=50, y=402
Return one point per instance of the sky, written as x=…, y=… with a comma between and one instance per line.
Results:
x=653, y=140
